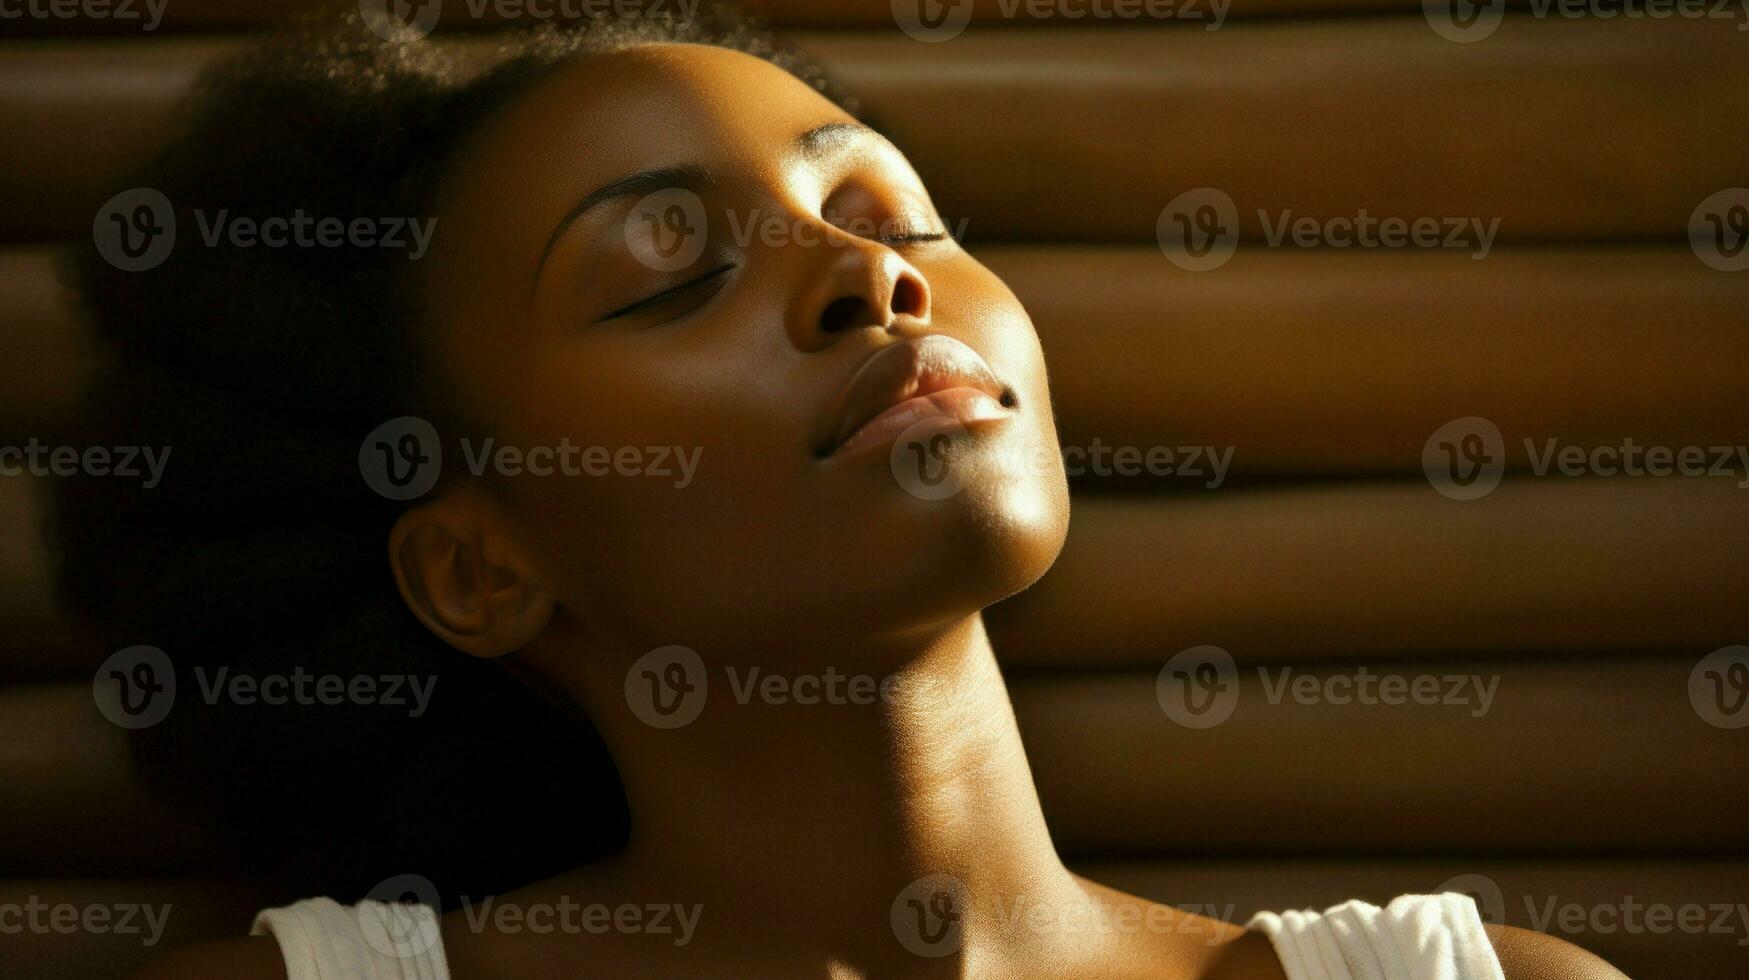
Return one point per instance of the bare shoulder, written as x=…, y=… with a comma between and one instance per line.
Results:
x=1157, y=939
x=240, y=958
x=1528, y=955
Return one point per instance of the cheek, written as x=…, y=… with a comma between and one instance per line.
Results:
x=726, y=509
x=976, y=303
x=699, y=470
x=1025, y=485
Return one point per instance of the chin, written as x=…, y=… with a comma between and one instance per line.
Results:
x=997, y=534
x=1011, y=532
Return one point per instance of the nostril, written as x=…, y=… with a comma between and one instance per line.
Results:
x=908, y=297
x=846, y=313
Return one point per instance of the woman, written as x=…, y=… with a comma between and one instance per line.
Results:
x=646, y=238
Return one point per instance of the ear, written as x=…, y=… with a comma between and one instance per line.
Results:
x=466, y=576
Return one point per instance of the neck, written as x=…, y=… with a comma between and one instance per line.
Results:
x=829, y=795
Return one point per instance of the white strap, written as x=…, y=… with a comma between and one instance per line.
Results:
x=324, y=940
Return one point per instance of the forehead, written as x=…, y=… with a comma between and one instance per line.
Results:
x=649, y=106
x=584, y=125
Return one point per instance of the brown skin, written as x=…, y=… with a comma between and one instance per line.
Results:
x=794, y=826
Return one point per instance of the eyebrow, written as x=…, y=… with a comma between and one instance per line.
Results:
x=812, y=145
x=640, y=184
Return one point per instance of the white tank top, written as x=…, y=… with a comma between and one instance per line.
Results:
x=1416, y=937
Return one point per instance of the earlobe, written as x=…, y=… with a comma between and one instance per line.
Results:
x=466, y=580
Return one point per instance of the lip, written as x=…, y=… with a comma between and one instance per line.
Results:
x=912, y=380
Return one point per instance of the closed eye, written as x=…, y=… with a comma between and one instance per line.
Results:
x=912, y=237
x=673, y=292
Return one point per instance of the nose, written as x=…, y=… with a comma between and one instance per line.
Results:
x=857, y=284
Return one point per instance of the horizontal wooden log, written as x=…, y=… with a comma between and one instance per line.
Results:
x=1555, y=129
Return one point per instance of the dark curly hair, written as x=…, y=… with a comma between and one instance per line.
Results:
x=262, y=549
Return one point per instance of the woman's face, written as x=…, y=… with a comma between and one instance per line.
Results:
x=699, y=275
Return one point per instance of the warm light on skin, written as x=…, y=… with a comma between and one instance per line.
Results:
x=812, y=551
x=773, y=815
x=797, y=827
